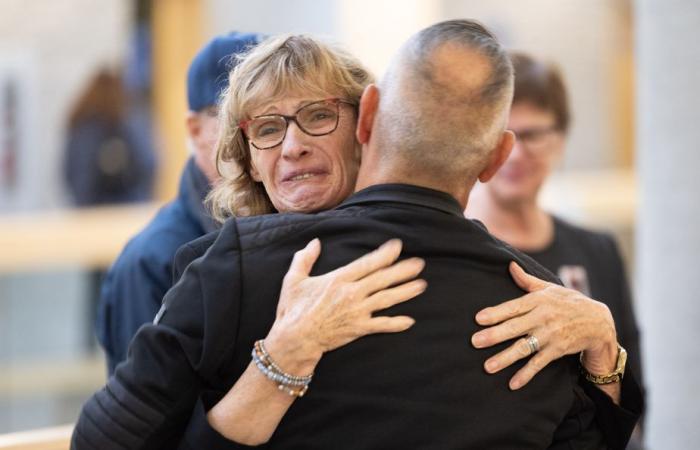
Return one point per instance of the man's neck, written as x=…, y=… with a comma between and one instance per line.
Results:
x=380, y=172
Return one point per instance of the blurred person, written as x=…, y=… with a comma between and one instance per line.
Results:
x=228, y=298
x=585, y=260
x=108, y=159
x=134, y=287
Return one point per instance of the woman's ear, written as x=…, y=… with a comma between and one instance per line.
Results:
x=499, y=155
x=369, y=102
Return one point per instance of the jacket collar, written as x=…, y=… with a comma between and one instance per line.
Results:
x=405, y=193
x=194, y=188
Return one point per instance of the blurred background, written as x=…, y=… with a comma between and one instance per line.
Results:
x=631, y=69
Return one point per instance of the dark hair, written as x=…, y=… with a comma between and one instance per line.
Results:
x=103, y=98
x=542, y=85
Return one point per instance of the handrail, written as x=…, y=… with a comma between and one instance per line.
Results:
x=53, y=438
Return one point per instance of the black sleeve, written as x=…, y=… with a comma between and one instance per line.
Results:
x=149, y=400
x=617, y=422
x=626, y=322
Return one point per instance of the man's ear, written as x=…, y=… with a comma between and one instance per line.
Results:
x=193, y=125
x=499, y=155
x=369, y=103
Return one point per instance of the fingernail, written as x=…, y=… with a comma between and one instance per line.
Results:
x=478, y=340
x=515, y=384
x=419, y=262
x=392, y=243
x=491, y=366
x=481, y=316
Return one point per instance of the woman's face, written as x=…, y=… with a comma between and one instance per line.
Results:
x=538, y=147
x=307, y=173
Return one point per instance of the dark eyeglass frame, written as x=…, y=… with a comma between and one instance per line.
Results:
x=528, y=134
x=243, y=124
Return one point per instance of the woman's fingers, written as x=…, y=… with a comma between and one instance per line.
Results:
x=526, y=281
x=404, y=270
x=539, y=361
x=303, y=261
x=506, y=310
x=382, y=257
x=515, y=352
x=502, y=332
x=385, y=324
x=393, y=296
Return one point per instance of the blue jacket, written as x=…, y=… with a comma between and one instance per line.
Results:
x=134, y=287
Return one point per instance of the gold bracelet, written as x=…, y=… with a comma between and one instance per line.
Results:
x=613, y=377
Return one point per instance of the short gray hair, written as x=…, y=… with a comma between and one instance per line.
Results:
x=472, y=120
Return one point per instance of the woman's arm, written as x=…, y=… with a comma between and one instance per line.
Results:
x=316, y=315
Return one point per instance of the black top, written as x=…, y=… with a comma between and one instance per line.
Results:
x=424, y=388
x=590, y=262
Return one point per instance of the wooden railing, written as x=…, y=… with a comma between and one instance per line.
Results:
x=55, y=438
x=90, y=237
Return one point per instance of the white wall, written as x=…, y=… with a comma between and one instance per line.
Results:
x=668, y=243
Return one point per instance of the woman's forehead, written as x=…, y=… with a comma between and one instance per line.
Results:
x=286, y=102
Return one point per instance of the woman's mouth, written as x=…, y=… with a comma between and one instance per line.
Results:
x=303, y=176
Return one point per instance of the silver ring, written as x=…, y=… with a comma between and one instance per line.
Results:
x=533, y=343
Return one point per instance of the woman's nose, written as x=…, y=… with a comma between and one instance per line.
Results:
x=295, y=143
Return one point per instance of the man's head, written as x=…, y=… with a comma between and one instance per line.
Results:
x=441, y=109
x=207, y=77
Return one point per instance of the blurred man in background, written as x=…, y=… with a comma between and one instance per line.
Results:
x=133, y=289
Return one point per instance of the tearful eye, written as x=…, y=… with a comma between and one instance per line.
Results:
x=268, y=128
x=322, y=114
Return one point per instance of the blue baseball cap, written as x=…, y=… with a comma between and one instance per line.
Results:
x=208, y=73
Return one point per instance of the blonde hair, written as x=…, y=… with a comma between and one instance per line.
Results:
x=276, y=68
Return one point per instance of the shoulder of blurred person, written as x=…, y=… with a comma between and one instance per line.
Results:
x=134, y=287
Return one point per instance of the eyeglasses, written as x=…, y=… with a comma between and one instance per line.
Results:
x=536, y=139
x=315, y=119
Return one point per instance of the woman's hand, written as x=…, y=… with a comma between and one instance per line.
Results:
x=564, y=321
x=319, y=314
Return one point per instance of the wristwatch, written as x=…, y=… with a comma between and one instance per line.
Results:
x=613, y=377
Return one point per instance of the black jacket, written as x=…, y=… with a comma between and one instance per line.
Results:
x=424, y=388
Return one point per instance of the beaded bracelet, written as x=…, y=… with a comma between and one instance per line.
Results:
x=260, y=347
x=286, y=382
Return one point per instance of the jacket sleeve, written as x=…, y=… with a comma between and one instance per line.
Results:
x=617, y=421
x=626, y=322
x=152, y=394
